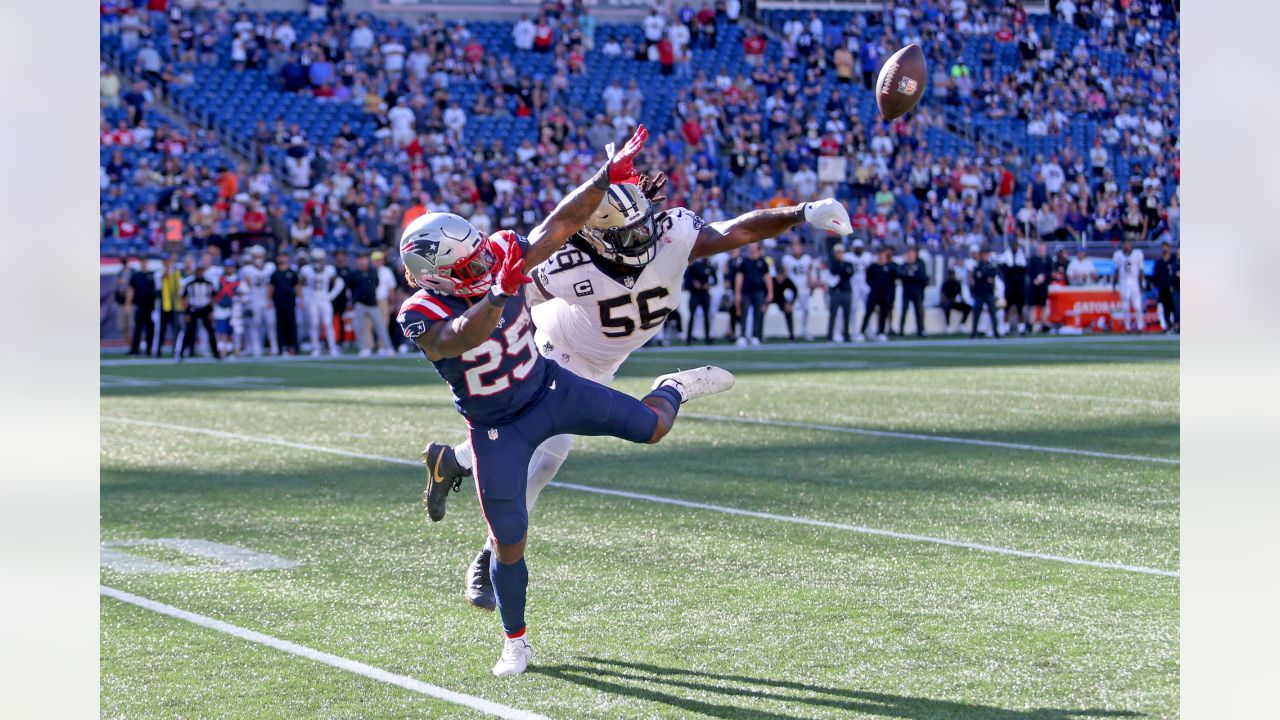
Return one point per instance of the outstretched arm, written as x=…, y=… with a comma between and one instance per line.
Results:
x=573, y=211
x=713, y=238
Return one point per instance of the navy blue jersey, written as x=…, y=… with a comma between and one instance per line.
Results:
x=500, y=378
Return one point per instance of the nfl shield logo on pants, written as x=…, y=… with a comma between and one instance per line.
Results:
x=493, y=433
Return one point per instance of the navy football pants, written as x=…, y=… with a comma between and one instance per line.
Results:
x=571, y=405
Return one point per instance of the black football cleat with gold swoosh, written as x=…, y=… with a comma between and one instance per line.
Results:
x=444, y=474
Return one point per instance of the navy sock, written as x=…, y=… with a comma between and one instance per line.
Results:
x=668, y=393
x=510, y=582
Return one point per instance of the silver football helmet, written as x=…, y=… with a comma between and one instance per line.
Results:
x=447, y=254
x=622, y=229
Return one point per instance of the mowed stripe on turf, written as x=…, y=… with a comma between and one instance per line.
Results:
x=351, y=666
x=671, y=501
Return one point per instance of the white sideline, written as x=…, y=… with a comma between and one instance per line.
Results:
x=867, y=530
x=351, y=666
x=939, y=343
x=933, y=438
x=670, y=501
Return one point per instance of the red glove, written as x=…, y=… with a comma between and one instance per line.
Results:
x=510, y=273
x=622, y=167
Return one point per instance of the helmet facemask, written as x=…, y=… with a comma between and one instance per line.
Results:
x=623, y=231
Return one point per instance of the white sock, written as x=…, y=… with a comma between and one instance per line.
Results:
x=462, y=453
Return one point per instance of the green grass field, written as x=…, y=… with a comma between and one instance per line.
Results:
x=736, y=570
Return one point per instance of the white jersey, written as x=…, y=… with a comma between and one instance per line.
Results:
x=322, y=283
x=257, y=280
x=1129, y=268
x=800, y=270
x=861, y=261
x=596, y=318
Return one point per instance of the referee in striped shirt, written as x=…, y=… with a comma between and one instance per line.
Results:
x=197, y=295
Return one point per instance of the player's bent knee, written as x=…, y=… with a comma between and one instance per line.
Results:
x=508, y=553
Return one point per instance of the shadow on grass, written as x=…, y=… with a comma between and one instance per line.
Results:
x=630, y=678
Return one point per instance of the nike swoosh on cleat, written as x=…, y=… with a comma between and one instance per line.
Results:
x=436, y=477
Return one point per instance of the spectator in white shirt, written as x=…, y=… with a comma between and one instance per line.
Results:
x=361, y=38
x=1080, y=271
x=613, y=97
x=1053, y=175
x=455, y=119
x=805, y=183
x=402, y=119
x=1098, y=157
x=654, y=27
x=522, y=34
x=392, y=56
x=285, y=34
x=633, y=100
x=480, y=218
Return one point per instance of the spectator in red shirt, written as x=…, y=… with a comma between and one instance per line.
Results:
x=255, y=218
x=474, y=53
x=753, y=48
x=1006, y=184
x=126, y=228
x=692, y=132
x=544, y=37
x=666, y=55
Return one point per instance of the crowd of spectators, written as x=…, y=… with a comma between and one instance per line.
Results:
x=786, y=121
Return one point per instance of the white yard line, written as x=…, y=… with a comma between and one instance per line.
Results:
x=772, y=347
x=668, y=501
x=929, y=438
x=352, y=666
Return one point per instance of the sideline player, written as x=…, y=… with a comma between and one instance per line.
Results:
x=607, y=293
x=470, y=318
x=262, y=315
x=1129, y=271
x=320, y=285
x=799, y=266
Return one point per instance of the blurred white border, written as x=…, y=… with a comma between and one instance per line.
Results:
x=49, y=354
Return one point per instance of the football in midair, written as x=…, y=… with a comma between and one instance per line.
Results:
x=901, y=82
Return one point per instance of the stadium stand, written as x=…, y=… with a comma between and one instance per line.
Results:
x=1006, y=144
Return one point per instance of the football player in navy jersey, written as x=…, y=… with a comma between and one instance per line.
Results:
x=470, y=318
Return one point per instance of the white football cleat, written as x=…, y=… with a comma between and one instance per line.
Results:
x=515, y=657
x=698, y=382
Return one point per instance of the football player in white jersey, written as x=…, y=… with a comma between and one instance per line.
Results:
x=1128, y=278
x=799, y=266
x=320, y=285
x=256, y=276
x=603, y=295
x=861, y=260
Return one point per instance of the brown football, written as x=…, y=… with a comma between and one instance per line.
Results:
x=901, y=82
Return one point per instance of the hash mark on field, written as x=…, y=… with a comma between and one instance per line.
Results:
x=670, y=501
x=351, y=666
x=228, y=557
x=931, y=438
